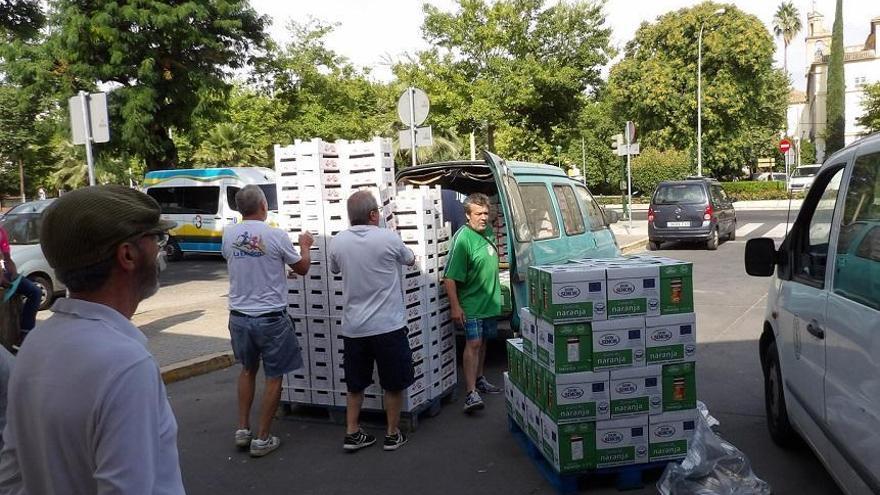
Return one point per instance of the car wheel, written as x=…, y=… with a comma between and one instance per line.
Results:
x=732, y=235
x=172, y=250
x=712, y=242
x=653, y=245
x=46, y=290
x=781, y=431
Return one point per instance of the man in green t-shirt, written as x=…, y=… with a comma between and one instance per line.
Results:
x=474, y=290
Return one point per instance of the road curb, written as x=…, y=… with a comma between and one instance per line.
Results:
x=196, y=366
x=635, y=246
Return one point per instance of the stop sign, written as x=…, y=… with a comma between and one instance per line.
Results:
x=784, y=145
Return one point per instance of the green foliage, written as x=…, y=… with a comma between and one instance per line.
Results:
x=22, y=18
x=836, y=102
x=870, y=120
x=744, y=97
x=590, y=142
x=786, y=24
x=514, y=71
x=653, y=166
x=808, y=152
x=159, y=55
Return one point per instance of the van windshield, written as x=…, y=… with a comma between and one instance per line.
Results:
x=23, y=228
x=668, y=194
x=806, y=171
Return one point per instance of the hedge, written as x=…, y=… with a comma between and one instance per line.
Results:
x=745, y=190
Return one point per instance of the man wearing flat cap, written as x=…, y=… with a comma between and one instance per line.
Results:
x=88, y=412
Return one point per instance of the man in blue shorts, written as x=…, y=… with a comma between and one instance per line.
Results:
x=256, y=255
x=373, y=321
x=474, y=290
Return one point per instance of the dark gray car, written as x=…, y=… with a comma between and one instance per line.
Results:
x=690, y=210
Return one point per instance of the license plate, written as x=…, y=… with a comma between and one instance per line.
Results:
x=678, y=224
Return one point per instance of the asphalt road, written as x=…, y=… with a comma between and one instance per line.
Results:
x=454, y=453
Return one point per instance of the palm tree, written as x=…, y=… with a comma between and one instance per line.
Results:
x=787, y=24
x=227, y=145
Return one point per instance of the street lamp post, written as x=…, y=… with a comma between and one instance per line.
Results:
x=700, y=95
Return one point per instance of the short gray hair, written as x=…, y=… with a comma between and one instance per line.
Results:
x=249, y=199
x=360, y=204
x=478, y=199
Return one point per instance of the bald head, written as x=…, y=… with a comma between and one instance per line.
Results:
x=360, y=207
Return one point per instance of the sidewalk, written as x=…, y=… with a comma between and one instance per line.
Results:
x=631, y=237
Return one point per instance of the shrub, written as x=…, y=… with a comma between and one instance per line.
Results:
x=748, y=190
x=654, y=166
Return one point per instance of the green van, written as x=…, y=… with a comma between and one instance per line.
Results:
x=548, y=217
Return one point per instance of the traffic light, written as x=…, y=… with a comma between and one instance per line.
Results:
x=616, y=141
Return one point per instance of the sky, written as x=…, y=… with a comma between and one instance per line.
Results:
x=370, y=32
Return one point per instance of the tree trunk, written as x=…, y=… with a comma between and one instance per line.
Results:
x=21, y=178
x=490, y=137
x=165, y=157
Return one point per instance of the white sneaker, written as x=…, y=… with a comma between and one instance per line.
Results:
x=259, y=448
x=243, y=438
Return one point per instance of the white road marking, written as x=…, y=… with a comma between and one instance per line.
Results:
x=777, y=232
x=747, y=229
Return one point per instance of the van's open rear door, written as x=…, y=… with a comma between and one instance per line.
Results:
x=519, y=236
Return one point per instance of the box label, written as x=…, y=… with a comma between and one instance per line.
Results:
x=676, y=288
x=679, y=386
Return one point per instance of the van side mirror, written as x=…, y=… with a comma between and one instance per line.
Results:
x=760, y=259
x=612, y=216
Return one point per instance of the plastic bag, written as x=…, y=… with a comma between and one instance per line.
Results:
x=712, y=466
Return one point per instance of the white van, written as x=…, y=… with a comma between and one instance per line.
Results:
x=202, y=202
x=802, y=177
x=820, y=346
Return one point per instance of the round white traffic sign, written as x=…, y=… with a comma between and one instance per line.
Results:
x=420, y=105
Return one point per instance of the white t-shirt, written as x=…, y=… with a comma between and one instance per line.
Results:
x=88, y=412
x=256, y=255
x=370, y=260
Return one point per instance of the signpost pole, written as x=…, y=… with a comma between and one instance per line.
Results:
x=412, y=124
x=629, y=131
x=87, y=125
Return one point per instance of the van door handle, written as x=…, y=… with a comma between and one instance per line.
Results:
x=815, y=330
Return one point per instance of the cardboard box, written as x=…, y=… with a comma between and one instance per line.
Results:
x=533, y=421
x=670, y=434
x=636, y=391
x=618, y=343
x=536, y=301
x=633, y=289
x=569, y=448
x=671, y=338
x=514, y=359
x=565, y=347
x=676, y=284
x=621, y=442
x=572, y=293
x=577, y=397
x=528, y=327
x=679, y=386
x=509, y=395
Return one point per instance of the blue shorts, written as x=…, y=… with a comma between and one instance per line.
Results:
x=392, y=355
x=268, y=337
x=476, y=328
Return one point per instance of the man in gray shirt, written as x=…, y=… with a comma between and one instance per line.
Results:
x=88, y=412
x=373, y=321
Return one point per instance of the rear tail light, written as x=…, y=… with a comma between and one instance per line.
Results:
x=650, y=214
x=707, y=215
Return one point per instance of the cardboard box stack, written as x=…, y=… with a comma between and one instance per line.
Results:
x=314, y=180
x=604, y=372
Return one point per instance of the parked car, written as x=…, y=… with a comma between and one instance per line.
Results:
x=820, y=343
x=696, y=209
x=24, y=241
x=28, y=207
x=769, y=176
x=802, y=177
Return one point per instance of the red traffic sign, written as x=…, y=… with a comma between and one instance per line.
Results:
x=784, y=145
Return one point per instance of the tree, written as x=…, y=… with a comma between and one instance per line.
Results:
x=21, y=17
x=160, y=57
x=808, y=152
x=744, y=97
x=786, y=24
x=836, y=102
x=228, y=145
x=870, y=120
x=653, y=166
x=514, y=71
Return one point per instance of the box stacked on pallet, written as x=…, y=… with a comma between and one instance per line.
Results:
x=499, y=227
x=317, y=178
x=604, y=373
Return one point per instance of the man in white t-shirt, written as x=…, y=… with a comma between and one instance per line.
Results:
x=256, y=255
x=373, y=321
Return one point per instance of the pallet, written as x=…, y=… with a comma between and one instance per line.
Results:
x=371, y=418
x=626, y=477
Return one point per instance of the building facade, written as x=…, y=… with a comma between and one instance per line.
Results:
x=861, y=66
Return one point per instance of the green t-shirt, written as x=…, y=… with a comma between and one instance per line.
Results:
x=473, y=264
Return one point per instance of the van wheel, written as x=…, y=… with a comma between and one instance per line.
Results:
x=653, y=245
x=172, y=250
x=780, y=428
x=732, y=235
x=712, y=243
x=46, y=290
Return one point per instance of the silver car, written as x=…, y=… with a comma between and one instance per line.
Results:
x=24, y=241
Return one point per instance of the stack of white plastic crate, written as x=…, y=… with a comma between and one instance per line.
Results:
x=419, y=221
x=315, y=178
x=499, y=227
